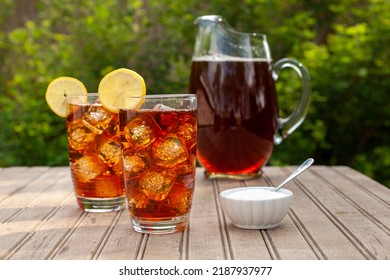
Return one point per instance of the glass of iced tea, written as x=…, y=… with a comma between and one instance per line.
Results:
x=158, y=141
x=94, y=154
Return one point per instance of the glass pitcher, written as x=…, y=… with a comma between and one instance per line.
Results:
x=234, y=77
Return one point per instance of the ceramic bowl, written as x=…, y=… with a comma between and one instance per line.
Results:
x=255, y=207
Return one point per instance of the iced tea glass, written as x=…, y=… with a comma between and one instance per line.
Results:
x=95, y=154
x=158, y=142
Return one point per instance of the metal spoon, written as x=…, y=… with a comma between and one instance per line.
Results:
x=298, y=171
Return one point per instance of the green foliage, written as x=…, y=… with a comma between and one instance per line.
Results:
x=344, y=44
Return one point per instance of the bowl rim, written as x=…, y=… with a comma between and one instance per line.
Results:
x=223, y=194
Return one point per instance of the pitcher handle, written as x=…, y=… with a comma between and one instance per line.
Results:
x=287, y=125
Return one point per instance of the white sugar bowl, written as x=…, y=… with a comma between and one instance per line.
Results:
x=255, y=207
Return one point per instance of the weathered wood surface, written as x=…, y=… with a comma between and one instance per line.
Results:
x=337, y=213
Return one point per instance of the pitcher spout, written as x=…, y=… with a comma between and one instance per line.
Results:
x=216, y=38
x=213, y=35
x=208, y=19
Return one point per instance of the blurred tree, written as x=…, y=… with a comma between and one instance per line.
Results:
x=344, y=44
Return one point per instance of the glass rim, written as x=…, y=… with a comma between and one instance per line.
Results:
x=82, y=94
x=147, y=96
x=82, y=98
x=162, y=96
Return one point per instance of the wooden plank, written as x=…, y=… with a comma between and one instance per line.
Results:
x=205, y=230
x=39, y=180
x=123, y=242
x=14, y=179
x=28, y=217
x=337, y=213
x=373, y=188
x=243, y=244
x=86, y=237
x=285, y=241
x=8, y=173
x=369, y=204
x=44, y=240
x=160, y=247
x=26, y=183
x=314, y=222
x=360, y=229
x=288, y=243
x=374, y=222
x=45, y=237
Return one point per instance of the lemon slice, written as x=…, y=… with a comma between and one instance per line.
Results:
x=118, y=84
x=58, y=91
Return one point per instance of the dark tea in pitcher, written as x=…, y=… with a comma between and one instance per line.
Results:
x=234, y=77
x=237, y=113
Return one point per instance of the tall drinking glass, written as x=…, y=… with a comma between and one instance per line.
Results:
x=158, y=142
x=94, y=154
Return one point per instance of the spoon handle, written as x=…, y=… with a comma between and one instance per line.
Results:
x=298, y=171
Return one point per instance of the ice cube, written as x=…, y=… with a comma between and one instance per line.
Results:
x=169, y=151
x=79, y=136
x=108, y=149
x=187, y=166
x=134, y=163
x=180, y=199
x=162, y=107
x=108, y=186
x=168, y=120
x=97, y=118
x=157, y=184
x=141, y=131
x=137, y=199
x=117, y=169
x=183, y=124
x=113, y=128
x=183, y=168
x=87, y=168
x=187, y=129
x=187, y=132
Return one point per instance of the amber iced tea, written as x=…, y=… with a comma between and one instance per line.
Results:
x=238, y=114
x=95, y=155
x=158, y=149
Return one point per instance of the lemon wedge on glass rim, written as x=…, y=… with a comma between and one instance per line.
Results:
x=121, y=83
x=59, y=90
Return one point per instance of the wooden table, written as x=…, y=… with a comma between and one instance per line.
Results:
x=337, y=213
